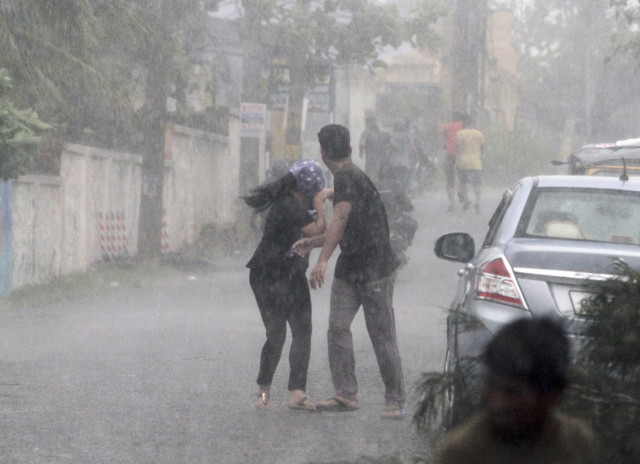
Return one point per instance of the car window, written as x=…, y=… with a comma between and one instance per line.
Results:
x=583, y=214
x=497, y=217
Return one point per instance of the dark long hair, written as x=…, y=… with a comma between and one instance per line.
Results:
x=264, y=196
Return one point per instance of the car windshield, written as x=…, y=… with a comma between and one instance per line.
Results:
x=584, y=214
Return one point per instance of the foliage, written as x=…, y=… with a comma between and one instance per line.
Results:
x=569, y=69
x=20, y=132
x=608, y=367
x=48, y=47
x=313, y=36
x=627, y=12
x=511, y=155
x=83, y=63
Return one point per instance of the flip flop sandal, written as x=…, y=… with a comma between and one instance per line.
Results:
x=305, y=404
x=336, y=404
x=263, y=401
x=393, y=414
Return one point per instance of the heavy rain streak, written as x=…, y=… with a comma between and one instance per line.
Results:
x=319, y=231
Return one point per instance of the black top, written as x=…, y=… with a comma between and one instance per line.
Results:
x=366, y=253
x=281, y=230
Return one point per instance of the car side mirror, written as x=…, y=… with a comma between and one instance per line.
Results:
x=458, y=247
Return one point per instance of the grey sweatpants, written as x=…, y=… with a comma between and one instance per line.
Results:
x=376, y=299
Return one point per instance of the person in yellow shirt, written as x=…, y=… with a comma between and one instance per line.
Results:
x=469, y=150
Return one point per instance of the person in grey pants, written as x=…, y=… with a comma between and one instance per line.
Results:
x=364, y=276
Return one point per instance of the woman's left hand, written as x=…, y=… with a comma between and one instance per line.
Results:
x=303, y=247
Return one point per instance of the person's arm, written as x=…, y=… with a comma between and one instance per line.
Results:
x=331, y=240
x=320, y=225
x=362, y=146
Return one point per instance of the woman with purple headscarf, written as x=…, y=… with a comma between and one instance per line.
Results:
x=278, y=275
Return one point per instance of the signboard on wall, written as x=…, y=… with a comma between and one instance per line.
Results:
x=320, y=99
x=278, y=100
x=6, y=239
x=253, y=119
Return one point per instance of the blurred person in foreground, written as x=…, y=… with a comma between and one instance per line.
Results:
x=364, y=276
x=469, y=151
x=278, y=276
x=449, y=136
x=374, y=145
x=528, y=364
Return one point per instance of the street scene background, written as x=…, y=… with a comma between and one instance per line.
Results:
x=166, y=373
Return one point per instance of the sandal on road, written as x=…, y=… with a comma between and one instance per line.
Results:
x=337, y=404
x=263, y=401
x=305, y=404
x=393, y=411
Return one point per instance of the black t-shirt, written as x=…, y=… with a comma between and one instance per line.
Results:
x=366, y=253
x=281, y=230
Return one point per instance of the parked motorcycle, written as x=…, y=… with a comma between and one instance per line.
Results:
x=424, y=173
x=402, y=227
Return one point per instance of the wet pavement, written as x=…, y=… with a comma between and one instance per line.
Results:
x=167, y=374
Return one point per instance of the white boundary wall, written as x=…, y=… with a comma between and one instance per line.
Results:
x=63, y=224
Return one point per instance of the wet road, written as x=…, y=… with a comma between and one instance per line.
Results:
x=167, y=374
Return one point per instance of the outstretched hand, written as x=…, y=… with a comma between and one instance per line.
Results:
x=303, y=247
x=316, y=279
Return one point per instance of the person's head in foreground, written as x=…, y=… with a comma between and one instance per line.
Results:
x=528, y=364
x=335, y=143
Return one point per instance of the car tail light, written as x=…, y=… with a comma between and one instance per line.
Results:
x=496, y=282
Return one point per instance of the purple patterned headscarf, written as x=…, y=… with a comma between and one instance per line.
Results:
x=309, y=177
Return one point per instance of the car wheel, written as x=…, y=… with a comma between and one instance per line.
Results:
x=448, y=400
x=449, y=415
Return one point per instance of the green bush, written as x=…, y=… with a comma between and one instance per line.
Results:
x=607, y=376
x=20, y=132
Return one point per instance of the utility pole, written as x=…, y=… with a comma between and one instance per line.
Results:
x=154, y=127
x=466, y=53
x=252, y=70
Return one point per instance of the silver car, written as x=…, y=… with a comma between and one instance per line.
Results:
x=549, y=235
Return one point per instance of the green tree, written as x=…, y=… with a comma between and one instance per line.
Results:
x=310, y=37
x=160, y=52
x=20, y=133
x=569, y=70
x=75, y=61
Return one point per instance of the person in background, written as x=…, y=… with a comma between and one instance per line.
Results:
x=403, y=153
x=278, y=276
x=469, y=151
x=528, y=364
x=364, y=276
x=449, y=136
x=374, y=147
